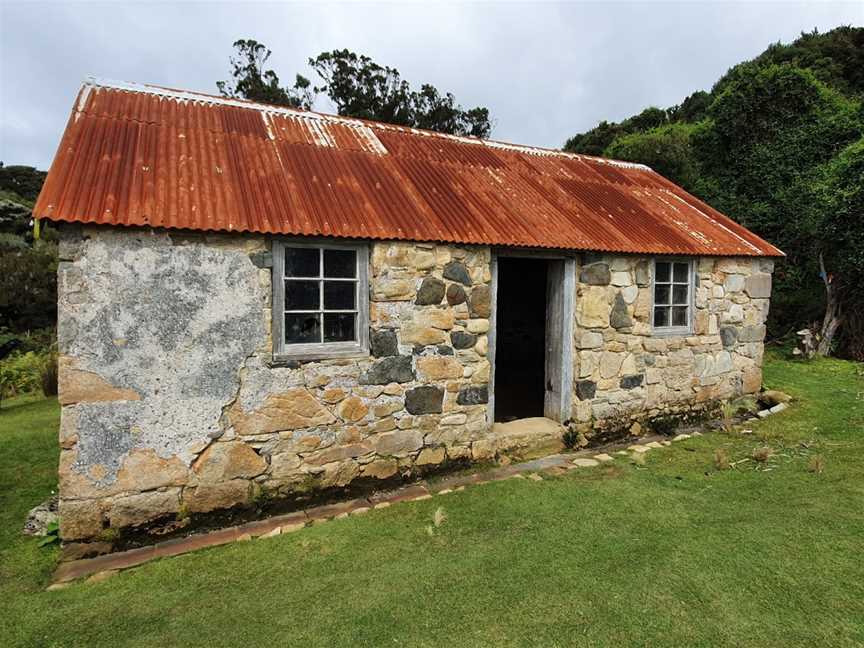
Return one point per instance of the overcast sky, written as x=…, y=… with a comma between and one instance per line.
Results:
x=545, y=71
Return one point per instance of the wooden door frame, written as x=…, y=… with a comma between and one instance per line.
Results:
x=566, y=325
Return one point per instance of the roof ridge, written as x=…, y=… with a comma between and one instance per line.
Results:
x=92, y=81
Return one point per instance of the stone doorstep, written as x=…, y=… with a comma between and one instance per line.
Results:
x=73, y=570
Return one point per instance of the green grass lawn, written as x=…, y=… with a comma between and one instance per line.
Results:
x=671, y=553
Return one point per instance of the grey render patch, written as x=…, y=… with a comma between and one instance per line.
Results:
x=172, y=323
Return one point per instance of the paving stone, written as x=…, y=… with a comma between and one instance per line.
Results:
x=291, y=528
x=638, y=448
x=121, y=560
x=584, y=462
x=402, y=495
x=603, y=457
x=654, y=444
x=779, y=407
x=681, y=437
x=98, y=577
x=332, y=510
x=534, y=477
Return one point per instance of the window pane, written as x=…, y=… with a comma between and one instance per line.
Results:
x=301, y=295
x=662, y=269
x=679, y=294
x=340, y=263
x=302, y=262
x=679, y=316
x=302, y=328
x=681, y=274
x=661, y=316
x=339, y=327
x=661, y=294
x=339, y=295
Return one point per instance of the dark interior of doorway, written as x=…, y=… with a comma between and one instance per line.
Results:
x=520, y=342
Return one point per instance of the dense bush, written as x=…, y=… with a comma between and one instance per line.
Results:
x=778, y=145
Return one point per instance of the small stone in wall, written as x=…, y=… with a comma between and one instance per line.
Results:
x=383, y=343
x=456, y=271
x=595, y=274
x=426, y=399
x=473, y=395
x=481, y=302
x=456, y=294
x=620, y=318
x=396, y=369
x=728, y=336
x=632, y=381
x=462, y=340
x=643, y=273
x=352, y=409
x=758, y=286
x=431, y=292
x=586, y=389
x=414, y=333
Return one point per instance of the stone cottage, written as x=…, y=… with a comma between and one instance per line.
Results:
x=258, y=303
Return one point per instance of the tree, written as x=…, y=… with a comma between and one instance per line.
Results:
x=666, y=149
x=358, y=87
x=251, y=81
x=776, y=145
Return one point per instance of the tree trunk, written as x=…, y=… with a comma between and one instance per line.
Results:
x=832, y=320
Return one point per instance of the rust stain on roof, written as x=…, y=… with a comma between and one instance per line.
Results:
x=139, y=155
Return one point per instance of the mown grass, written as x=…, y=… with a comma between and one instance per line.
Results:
x=670, y=553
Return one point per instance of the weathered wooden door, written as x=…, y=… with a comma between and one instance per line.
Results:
x=560, y=293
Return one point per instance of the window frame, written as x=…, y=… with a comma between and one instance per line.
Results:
x=283, y=352
x=670, y=330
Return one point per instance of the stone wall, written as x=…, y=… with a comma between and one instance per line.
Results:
x=624, y=372
x=172, y=406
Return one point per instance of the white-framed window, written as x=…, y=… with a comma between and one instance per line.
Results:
x=320, y=300
x=672, y=292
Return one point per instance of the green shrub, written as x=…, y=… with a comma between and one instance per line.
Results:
x=22, y=373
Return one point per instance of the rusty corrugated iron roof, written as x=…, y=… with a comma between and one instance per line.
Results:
x=147, y=156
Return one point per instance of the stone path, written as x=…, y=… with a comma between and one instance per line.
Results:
x=102, y=567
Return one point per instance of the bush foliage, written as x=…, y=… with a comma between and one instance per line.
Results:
x=778, y=145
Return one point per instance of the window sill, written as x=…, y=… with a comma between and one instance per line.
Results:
x=316, y=352
x=671, y=332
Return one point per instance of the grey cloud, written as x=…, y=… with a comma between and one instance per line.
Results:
x=546, y=71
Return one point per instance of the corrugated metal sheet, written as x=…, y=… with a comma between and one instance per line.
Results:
x=146, y=156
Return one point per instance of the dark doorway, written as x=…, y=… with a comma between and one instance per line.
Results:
x=520, y=342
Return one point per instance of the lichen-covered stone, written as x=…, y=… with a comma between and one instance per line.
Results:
x=595, y=274
x=728, y=336
x=425, y=399
x=473, y=395
x=456, y=294
x=456, y=271
x=383, y=343
x=438, y=367
x=396, y=369
x=414, y=333
x=480, y=304
x=585, y=389
x=462, y=340
x=231, y=460
x=290, y=410
x=631, y=381
x=431, y=292
x=619, y=317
